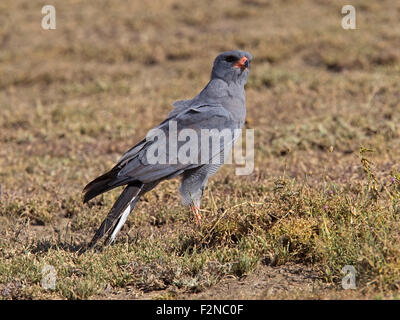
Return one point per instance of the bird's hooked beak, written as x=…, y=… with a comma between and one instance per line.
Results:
x=242, y=63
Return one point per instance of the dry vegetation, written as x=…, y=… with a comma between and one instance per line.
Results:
x=324, y=103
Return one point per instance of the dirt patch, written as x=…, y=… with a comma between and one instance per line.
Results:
x=266, y=283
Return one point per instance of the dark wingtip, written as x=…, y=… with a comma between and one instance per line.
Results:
x=86, y=198
x=94, y=189
x=98, y=185
x=88, y=191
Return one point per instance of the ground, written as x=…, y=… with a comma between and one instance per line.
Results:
x=325, y=190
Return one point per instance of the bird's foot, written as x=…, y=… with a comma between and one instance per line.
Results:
x=197, y=215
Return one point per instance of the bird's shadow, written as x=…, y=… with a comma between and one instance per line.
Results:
x=43, y=246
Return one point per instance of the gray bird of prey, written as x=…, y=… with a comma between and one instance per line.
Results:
x=220, y=105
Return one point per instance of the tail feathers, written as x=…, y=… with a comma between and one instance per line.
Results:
x=103, y=183
x=118, y=214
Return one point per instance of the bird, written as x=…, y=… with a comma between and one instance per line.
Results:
x=220, y=105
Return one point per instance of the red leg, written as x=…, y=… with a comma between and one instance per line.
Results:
x=197, y=214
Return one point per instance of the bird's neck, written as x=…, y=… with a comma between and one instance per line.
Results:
x=230, y=95
x=217, y=91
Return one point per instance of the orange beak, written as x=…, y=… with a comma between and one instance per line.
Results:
x=243, y=63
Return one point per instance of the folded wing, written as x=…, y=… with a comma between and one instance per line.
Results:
x=137, y=164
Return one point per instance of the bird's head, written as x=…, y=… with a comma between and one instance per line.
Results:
x=232, y=66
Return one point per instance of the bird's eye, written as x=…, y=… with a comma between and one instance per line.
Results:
x=230, y=59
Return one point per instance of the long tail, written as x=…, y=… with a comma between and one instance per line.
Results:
x=115, y=219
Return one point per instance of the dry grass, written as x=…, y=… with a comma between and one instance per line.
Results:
x=74, y=99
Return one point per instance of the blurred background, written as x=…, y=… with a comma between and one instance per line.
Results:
x=72, y=100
